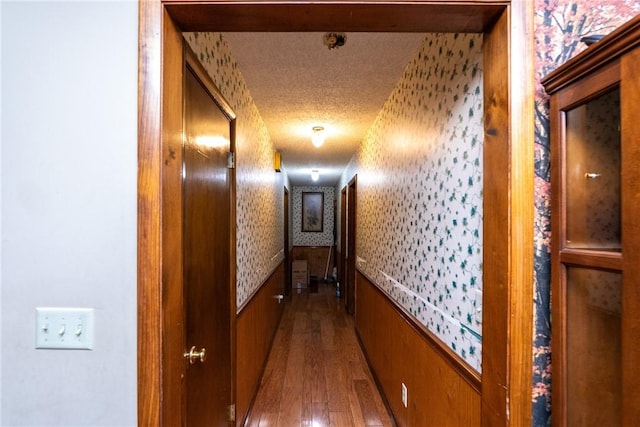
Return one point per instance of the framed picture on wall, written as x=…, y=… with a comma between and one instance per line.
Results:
x=312, y=212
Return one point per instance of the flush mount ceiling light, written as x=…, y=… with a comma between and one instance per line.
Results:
x=315, y=175
x=317, y=138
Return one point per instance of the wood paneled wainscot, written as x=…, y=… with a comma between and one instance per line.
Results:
x=256, y=325
x=442, y=390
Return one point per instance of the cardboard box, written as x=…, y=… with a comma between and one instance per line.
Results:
x=299, y=274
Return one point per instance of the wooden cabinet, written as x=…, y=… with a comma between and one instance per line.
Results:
x=595, y=146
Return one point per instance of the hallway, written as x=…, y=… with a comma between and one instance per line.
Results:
x=316, y=374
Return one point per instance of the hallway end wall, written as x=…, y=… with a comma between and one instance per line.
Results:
x=326, y=236
x=314, y=247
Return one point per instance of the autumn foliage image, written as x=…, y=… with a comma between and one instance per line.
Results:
x=560, y=26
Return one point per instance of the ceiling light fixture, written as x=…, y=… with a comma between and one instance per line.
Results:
x=315, y=175
x=334, y=40
x=277, y=161
x=318, y=136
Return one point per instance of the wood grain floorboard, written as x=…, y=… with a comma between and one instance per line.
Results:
x=316, y=374
x=335, y=376
x=367, y=403
x=268, y=419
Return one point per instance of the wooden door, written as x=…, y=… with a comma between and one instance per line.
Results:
x=287, y=254
x=206, y=273
x=343, y=237
x=350, y=289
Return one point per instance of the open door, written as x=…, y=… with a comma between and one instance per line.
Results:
x=343, y=237
x=350, y=288
x=287, y=255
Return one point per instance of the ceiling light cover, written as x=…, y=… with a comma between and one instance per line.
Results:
x=317, y=138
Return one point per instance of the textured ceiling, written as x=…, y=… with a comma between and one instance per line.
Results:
x=297, y=83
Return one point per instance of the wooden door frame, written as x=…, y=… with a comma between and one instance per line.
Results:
x=343, y=236
x=508, y=178
x=350, y=283
x=287, y=252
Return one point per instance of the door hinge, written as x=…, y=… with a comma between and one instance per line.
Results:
x=231, y=160
x=231, y=412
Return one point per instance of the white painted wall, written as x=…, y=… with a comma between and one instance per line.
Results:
x=69, y=159
x=1, y=134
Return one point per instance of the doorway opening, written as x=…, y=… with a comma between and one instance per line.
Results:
x=508, y=185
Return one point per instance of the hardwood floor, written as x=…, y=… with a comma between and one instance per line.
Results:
x=316, y=374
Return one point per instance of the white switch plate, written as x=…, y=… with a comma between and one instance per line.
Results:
x=70, y=328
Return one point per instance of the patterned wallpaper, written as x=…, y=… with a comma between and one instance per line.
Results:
x=259, y=190
x=419, y=228
x=326, y=238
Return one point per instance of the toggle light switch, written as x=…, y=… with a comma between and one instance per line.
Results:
x=70, y=328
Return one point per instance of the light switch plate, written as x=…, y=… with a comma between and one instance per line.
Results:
x=64, y=328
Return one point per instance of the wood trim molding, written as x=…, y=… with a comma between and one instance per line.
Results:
x=149, y=293
x=299, y=16
x=174, y=339
x=619, y=41
x=519, y=324
x=631, y=224
x=577, y=257
x=508, y=219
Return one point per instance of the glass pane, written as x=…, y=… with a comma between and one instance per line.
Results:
x=593, y=174
x=594, y=374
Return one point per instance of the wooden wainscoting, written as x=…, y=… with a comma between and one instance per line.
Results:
x=256, y=326
x=442, y=390
x=316, y=257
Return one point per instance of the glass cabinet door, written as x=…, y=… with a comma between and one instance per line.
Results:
x=594, y=350
x=592, y=163
x=589, y=303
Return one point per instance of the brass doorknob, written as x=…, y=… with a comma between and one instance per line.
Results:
x=193, y=355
